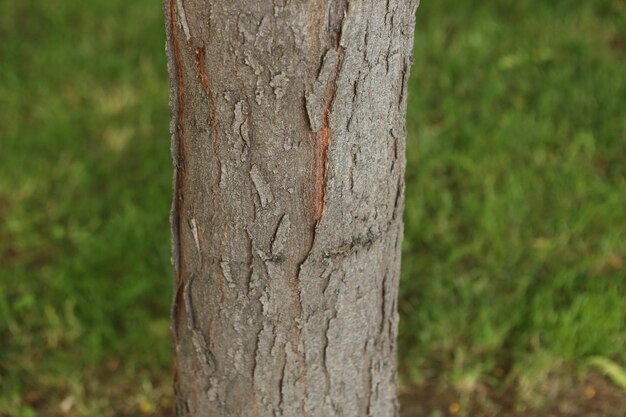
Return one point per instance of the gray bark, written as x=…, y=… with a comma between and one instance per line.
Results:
x=288, y=141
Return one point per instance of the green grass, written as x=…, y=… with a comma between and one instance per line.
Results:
x=515, y=249
x=84, y=194
x=516, y=228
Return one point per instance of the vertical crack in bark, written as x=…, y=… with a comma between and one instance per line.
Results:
x=397, y=208
x=220, y=281
x=336, y=13
x=383, y=304
x=325, y=354
x=281, y=382
x=281, y=237
x=250, y=263
x=404, y=82
x=370, y=380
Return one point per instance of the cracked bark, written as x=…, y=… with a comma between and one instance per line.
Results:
x=288, y=136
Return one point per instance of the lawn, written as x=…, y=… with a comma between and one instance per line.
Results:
x=514, y=264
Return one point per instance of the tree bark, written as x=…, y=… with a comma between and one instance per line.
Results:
x=288, y=141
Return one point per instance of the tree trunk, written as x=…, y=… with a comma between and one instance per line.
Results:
x=288, y=141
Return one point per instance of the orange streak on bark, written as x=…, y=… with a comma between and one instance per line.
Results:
x=322, y=142
x=200, y=63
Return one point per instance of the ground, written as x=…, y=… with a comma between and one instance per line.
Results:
x=514, y=261
x=591, y=396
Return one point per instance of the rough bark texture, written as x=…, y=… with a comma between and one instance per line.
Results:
x=288, y=139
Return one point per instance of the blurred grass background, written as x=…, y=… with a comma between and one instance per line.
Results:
x=514, y=262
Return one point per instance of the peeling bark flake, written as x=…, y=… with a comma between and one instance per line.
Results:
x=183, y=19
x=196, y=237
x=282, y=233
x=262, y=187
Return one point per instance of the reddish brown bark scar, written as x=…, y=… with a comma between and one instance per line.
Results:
x=322, y=142
x=200, y=64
